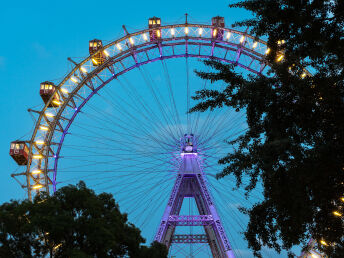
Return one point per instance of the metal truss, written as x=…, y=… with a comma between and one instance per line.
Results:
x=194, y=220
x=191, y=182
x=190, y=239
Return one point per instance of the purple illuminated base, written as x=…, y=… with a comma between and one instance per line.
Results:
x=190, y=181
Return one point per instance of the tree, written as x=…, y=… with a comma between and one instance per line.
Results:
x=74, y=222
x=295, y=139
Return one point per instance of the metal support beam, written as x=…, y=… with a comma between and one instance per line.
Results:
x=190, y=239
x=191, y=182
x=194, y=220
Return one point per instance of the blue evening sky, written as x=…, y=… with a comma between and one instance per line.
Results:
x=38, y=36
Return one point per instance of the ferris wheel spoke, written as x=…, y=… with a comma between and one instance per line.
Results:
x=157, y=98
x=134, y=122
x=123, y=152
x=142, y=106
x=224, y=129
x=133, y=119
x=104, y=139
x=126, y=133
x=171, y=95
x=143, y=193
x=114, y=164
x=125, y=186
x=160, y=201
x=104, y=143
x=134, y=133
x=137, y=99
x=151, y=204
x=187, y=95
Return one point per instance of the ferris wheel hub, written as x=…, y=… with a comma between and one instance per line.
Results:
x=188, y=144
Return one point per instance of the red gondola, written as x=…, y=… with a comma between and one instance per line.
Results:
x=219, y=23
x=94, y=46
x=154, y=22
x=47, y=90
x=19, y=152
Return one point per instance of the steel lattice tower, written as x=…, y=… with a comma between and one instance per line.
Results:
x=191, y=182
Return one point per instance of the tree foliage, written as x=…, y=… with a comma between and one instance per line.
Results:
x=75, y=222
x=295, y=139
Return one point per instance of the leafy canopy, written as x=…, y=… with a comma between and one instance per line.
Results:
x=75, y=222
x=295, y=139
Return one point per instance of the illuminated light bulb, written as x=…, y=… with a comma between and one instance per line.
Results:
x=173, y=32
x=119, y=46
x=145, y=37
x=43, y=128
x=280, y=58
x=73, y=79
x=56, y=102
x=56, y=247
x=158, y=33
x=255, y=44
x=303, y=75
x=323, y=242
x=315, y=256
x=342, y=199
x=242, y=39
x=83, y=69
x=39, y=142
x=37, y=156
x=49, y=114
x=279, y=42
x=267, y=51
x=36, y=171
x=64, y=90
x=336, y=213
x=228, y=35
x=38, y=186
x=200, y=31
x=131, y=40
x=186, y=30
x=106, y=53
x=283, y=41
x=94, y=61
x=214, y=32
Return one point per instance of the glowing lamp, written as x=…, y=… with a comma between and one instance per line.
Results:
x=280, y=58
x=37, y=186
x=242, y=39
x=336, y=213
x=43, y=128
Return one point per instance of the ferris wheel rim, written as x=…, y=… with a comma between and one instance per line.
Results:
x=48, y=139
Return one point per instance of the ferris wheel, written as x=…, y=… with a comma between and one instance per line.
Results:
x=119, y=121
